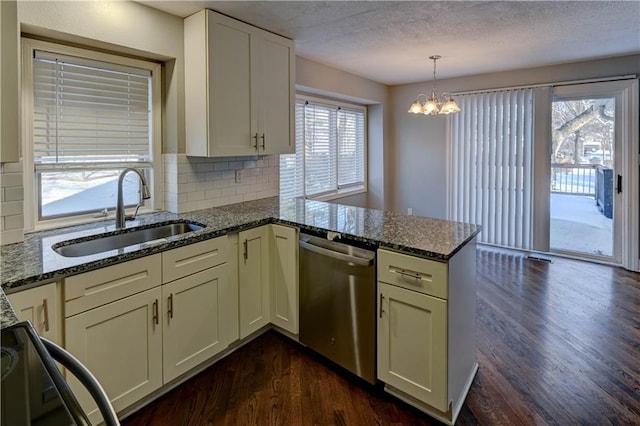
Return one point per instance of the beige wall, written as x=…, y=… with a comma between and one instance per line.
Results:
x=417, y=177
x=315, y=78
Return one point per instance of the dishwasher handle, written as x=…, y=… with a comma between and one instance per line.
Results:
x=335, y=255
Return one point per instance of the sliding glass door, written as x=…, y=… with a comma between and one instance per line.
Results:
x=588, y=177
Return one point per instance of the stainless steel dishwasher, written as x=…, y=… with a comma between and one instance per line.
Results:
x=338, y=302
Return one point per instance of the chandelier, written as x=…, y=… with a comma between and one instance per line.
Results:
x=434, y=104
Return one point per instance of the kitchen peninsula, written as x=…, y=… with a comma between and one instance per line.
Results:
x=424, y=265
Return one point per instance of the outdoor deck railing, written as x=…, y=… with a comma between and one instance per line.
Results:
x=573, y=178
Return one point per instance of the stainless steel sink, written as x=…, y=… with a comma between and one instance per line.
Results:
x=112, y=241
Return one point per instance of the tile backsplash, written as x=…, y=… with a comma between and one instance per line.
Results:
x=190, y=183
x=193, y=183
x=11, y=203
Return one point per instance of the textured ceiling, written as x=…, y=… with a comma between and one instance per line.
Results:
x=390, y=41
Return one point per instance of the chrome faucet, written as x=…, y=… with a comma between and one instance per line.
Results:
x=120, y=216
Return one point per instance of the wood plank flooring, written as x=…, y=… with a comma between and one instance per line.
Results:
x=556, y=343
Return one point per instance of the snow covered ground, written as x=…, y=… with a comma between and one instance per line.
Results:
x=578, y=226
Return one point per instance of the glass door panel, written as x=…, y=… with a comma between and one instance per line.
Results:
x=582, y=176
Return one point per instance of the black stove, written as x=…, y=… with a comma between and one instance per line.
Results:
x=33, y=390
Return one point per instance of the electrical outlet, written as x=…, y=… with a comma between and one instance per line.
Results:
x=410, y=211
x=238, y=176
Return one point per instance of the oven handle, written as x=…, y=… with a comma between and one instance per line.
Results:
x=335, y=255
x=87, y=379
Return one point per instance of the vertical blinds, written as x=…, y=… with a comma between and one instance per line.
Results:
x=330, y=150
x=490, y=170
x=89, y=111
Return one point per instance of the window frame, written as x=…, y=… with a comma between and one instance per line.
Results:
x=348, y=189
x=154, y=173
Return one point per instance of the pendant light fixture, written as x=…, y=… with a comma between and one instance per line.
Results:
x=434, y=104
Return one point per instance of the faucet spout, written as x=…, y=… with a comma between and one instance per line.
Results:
x=120, y=216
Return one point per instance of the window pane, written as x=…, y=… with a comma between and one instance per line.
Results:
x=350, y=147
x=67, y=193
x=330, y=150
x=320, y=149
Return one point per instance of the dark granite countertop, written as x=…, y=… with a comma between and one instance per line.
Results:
x=33, y=261
x=7, y=315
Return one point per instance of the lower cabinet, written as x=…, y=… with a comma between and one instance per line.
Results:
x=426, y=329
x=412, y=344
x=253, y=279
x=135, y=343
x=193, y=327
x=121, y=343
x=39, y=306
x=284, y=278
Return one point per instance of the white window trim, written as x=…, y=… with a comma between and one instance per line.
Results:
x=31, y=223
x=349, y=191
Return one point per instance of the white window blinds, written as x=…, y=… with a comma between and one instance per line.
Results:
x=350, y=152
x=330, y=150
x=88, y=111
x=490, y=170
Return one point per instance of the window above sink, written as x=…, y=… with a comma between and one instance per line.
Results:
x=92, y=114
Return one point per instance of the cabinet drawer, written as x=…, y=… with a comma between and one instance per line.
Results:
x=413, y=273
x=95, y=288
x=194, y=258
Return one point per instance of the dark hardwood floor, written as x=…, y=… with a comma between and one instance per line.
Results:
x=556, y=343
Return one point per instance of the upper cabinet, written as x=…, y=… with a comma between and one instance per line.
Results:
x=239, y=88
x=9, y=103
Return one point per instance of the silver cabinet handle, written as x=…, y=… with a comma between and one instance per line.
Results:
x=416, y=275
x=170, y=306
x=155, y=312
x=264, y=141
x=45, y=309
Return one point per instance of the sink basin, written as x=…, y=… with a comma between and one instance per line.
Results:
x=113, y=240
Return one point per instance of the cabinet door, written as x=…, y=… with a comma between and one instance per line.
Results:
x=9, y=52
x=284, y=278
x=275, y=80
x=121, y=343
x=253, y=279
x=219, y=119
x=194, y=327
x=412, y=344
x=39, y=305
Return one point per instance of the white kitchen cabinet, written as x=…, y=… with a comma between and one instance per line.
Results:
x=95, y=288
x=412, y=344
x=194, y=328
x=253, y=279
x=40, y=306
x=140, y=324
x=426, y=329
x=284, y=278
x=239, y=88
x=9, y=87
x=121, y=344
